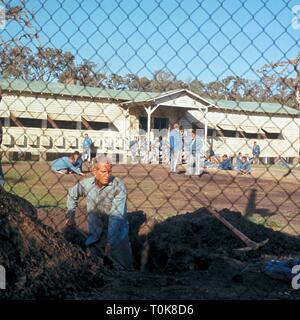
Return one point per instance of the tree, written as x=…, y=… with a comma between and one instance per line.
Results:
x=49, y=63
x=14, y=57
x=197, y=86
x=282, y=80
x=22, y=17
x=139, y=84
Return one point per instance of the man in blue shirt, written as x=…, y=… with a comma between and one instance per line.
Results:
x=106, y=200
x=225, y=164
x=65, y=165
x=244, y=167
x=239, y=161
x=194, y=163
x=256, y=152
x=134, y=148
x=87, y=148
x=79, y=162
x=175, y=147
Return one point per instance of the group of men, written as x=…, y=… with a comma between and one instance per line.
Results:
x=170, y=152
x=242, y=163
x=197, y=160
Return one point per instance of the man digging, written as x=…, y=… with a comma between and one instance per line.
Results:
x=106, y=198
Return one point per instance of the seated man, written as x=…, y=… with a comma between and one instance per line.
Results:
x=225, y=164
x=245, y=167
x=106, y=212
x=65, y=165
x=79, y=162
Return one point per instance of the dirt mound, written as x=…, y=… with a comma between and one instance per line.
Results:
x=195, y=240
x=39, y=262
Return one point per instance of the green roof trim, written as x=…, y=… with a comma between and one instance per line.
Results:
x=74, y=90
x=252, y=106
x=40, y=87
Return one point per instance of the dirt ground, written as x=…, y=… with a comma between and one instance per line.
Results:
x=268, y=196
x=190, y=254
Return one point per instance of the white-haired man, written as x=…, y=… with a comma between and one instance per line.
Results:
x=106, y=212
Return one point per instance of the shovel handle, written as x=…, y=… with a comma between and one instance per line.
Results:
x=237, y=232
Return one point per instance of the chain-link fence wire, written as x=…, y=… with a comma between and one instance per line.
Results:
x=195, y=103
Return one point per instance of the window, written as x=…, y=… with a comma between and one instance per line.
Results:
x=249, y=135
x=210, y=132
x=161, y=123
x=63, y=124
x=28, y=123
x=269, y=135
x=143, y=123
x=2, y=121
x=98, y=125
x=229, y=133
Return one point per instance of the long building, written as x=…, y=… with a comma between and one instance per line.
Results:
x=42, y=120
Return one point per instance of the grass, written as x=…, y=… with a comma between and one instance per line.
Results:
x=32, y=182
x=274, y=224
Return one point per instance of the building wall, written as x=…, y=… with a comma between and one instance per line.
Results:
x=48, y=140
x=288, y=146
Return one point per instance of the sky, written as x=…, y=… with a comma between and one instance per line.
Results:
x=205, y=40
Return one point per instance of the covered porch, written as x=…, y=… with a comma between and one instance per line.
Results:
x=149, y=119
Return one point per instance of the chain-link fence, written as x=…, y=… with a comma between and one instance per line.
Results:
x=195, y=104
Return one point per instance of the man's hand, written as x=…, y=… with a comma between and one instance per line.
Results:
x=82, y=174
x=107, y=249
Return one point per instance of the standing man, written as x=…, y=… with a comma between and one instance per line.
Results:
x=106, y=212
x=175, y=147
x=165, y=151
x=194, y=161
x=87, y=148
x=134, y=148
x=255, y=152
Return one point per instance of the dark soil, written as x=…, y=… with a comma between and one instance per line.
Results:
x=188, y=256
x=39, y=262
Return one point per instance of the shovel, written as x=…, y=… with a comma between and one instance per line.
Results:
x=250, y=244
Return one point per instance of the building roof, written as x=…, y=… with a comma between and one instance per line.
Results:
x=74, y=90
x=252, y=106
x=40, y=87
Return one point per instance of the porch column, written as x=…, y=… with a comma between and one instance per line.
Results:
x=205, y=131
x=126, y=127
x=204, y=111
x=149, y=111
